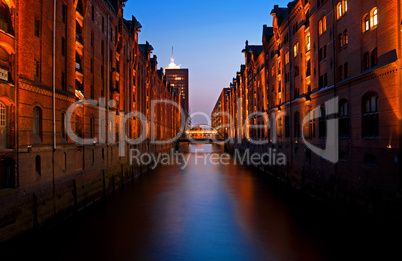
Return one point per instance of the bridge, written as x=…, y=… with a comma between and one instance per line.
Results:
x=202, y=133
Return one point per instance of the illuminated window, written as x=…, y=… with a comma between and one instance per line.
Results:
x=308, y=42
x=366, y=23
x=374, y=17
x=287, y=57
x=345, y=37
x=339, y=10
x=345, y=6
x=322, y=25
x=2, y=115
x=340, y=41
x=295, y=49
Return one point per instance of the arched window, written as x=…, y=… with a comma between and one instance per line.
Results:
x=37, y=123
x=374, y=57
x=38, y=167
x=343, y=119
x=339, y=10
x=370, y=119
x=374, y=17
x=5, y=18
x=297, y=125
x=366, y=23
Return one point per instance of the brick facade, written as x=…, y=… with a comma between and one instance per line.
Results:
x=315, y=51
x=43, y=173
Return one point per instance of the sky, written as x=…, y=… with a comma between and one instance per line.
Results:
x=207, y=36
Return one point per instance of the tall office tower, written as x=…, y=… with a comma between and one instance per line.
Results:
x=178, y=78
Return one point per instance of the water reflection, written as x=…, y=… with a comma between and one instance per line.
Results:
x=208, y=212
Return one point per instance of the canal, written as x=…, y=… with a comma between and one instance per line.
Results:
x=210, y=212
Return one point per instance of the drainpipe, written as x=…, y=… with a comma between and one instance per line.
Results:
x=107, y=89
x=16, y=121
x=54, y=97
x=399, y=28
x=128, y=93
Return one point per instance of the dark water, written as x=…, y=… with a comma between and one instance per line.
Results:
x=211, y=212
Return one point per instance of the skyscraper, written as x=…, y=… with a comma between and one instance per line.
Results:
x=178, y=79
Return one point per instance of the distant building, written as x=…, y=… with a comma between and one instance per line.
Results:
x=178, y=79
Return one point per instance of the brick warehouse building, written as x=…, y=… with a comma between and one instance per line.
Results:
x=49, y=60
x=317, y=50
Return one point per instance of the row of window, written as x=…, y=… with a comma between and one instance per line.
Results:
x=369, y=120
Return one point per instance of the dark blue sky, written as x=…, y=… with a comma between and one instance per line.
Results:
x=207, y=36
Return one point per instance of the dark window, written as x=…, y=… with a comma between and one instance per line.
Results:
x=308, y=156
x=311, y=125
x=297, y=71
x=92, y=92
x=346, y=70
x=103, y=24
x=307, y=24
x=63, y=126
x=7, y=173
x=80, y=8
x=295, y=28
x=37, y=122
x=370, y=160
x=92, y=39
x=92, y=127
x=280, y=126
x=325, y=52
x=322, y=124
x=37, y=70
x=63, y=81
x=343, y=119
x=370, y=119
x=366, y=61
x=308, y=70
x=340, y=73
x=287, y=126
x=93, y=13
x=37, y=28
x=63, y=46
x=64, y=13
x=297, y=125
x=374, y=57
x=38, y=168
